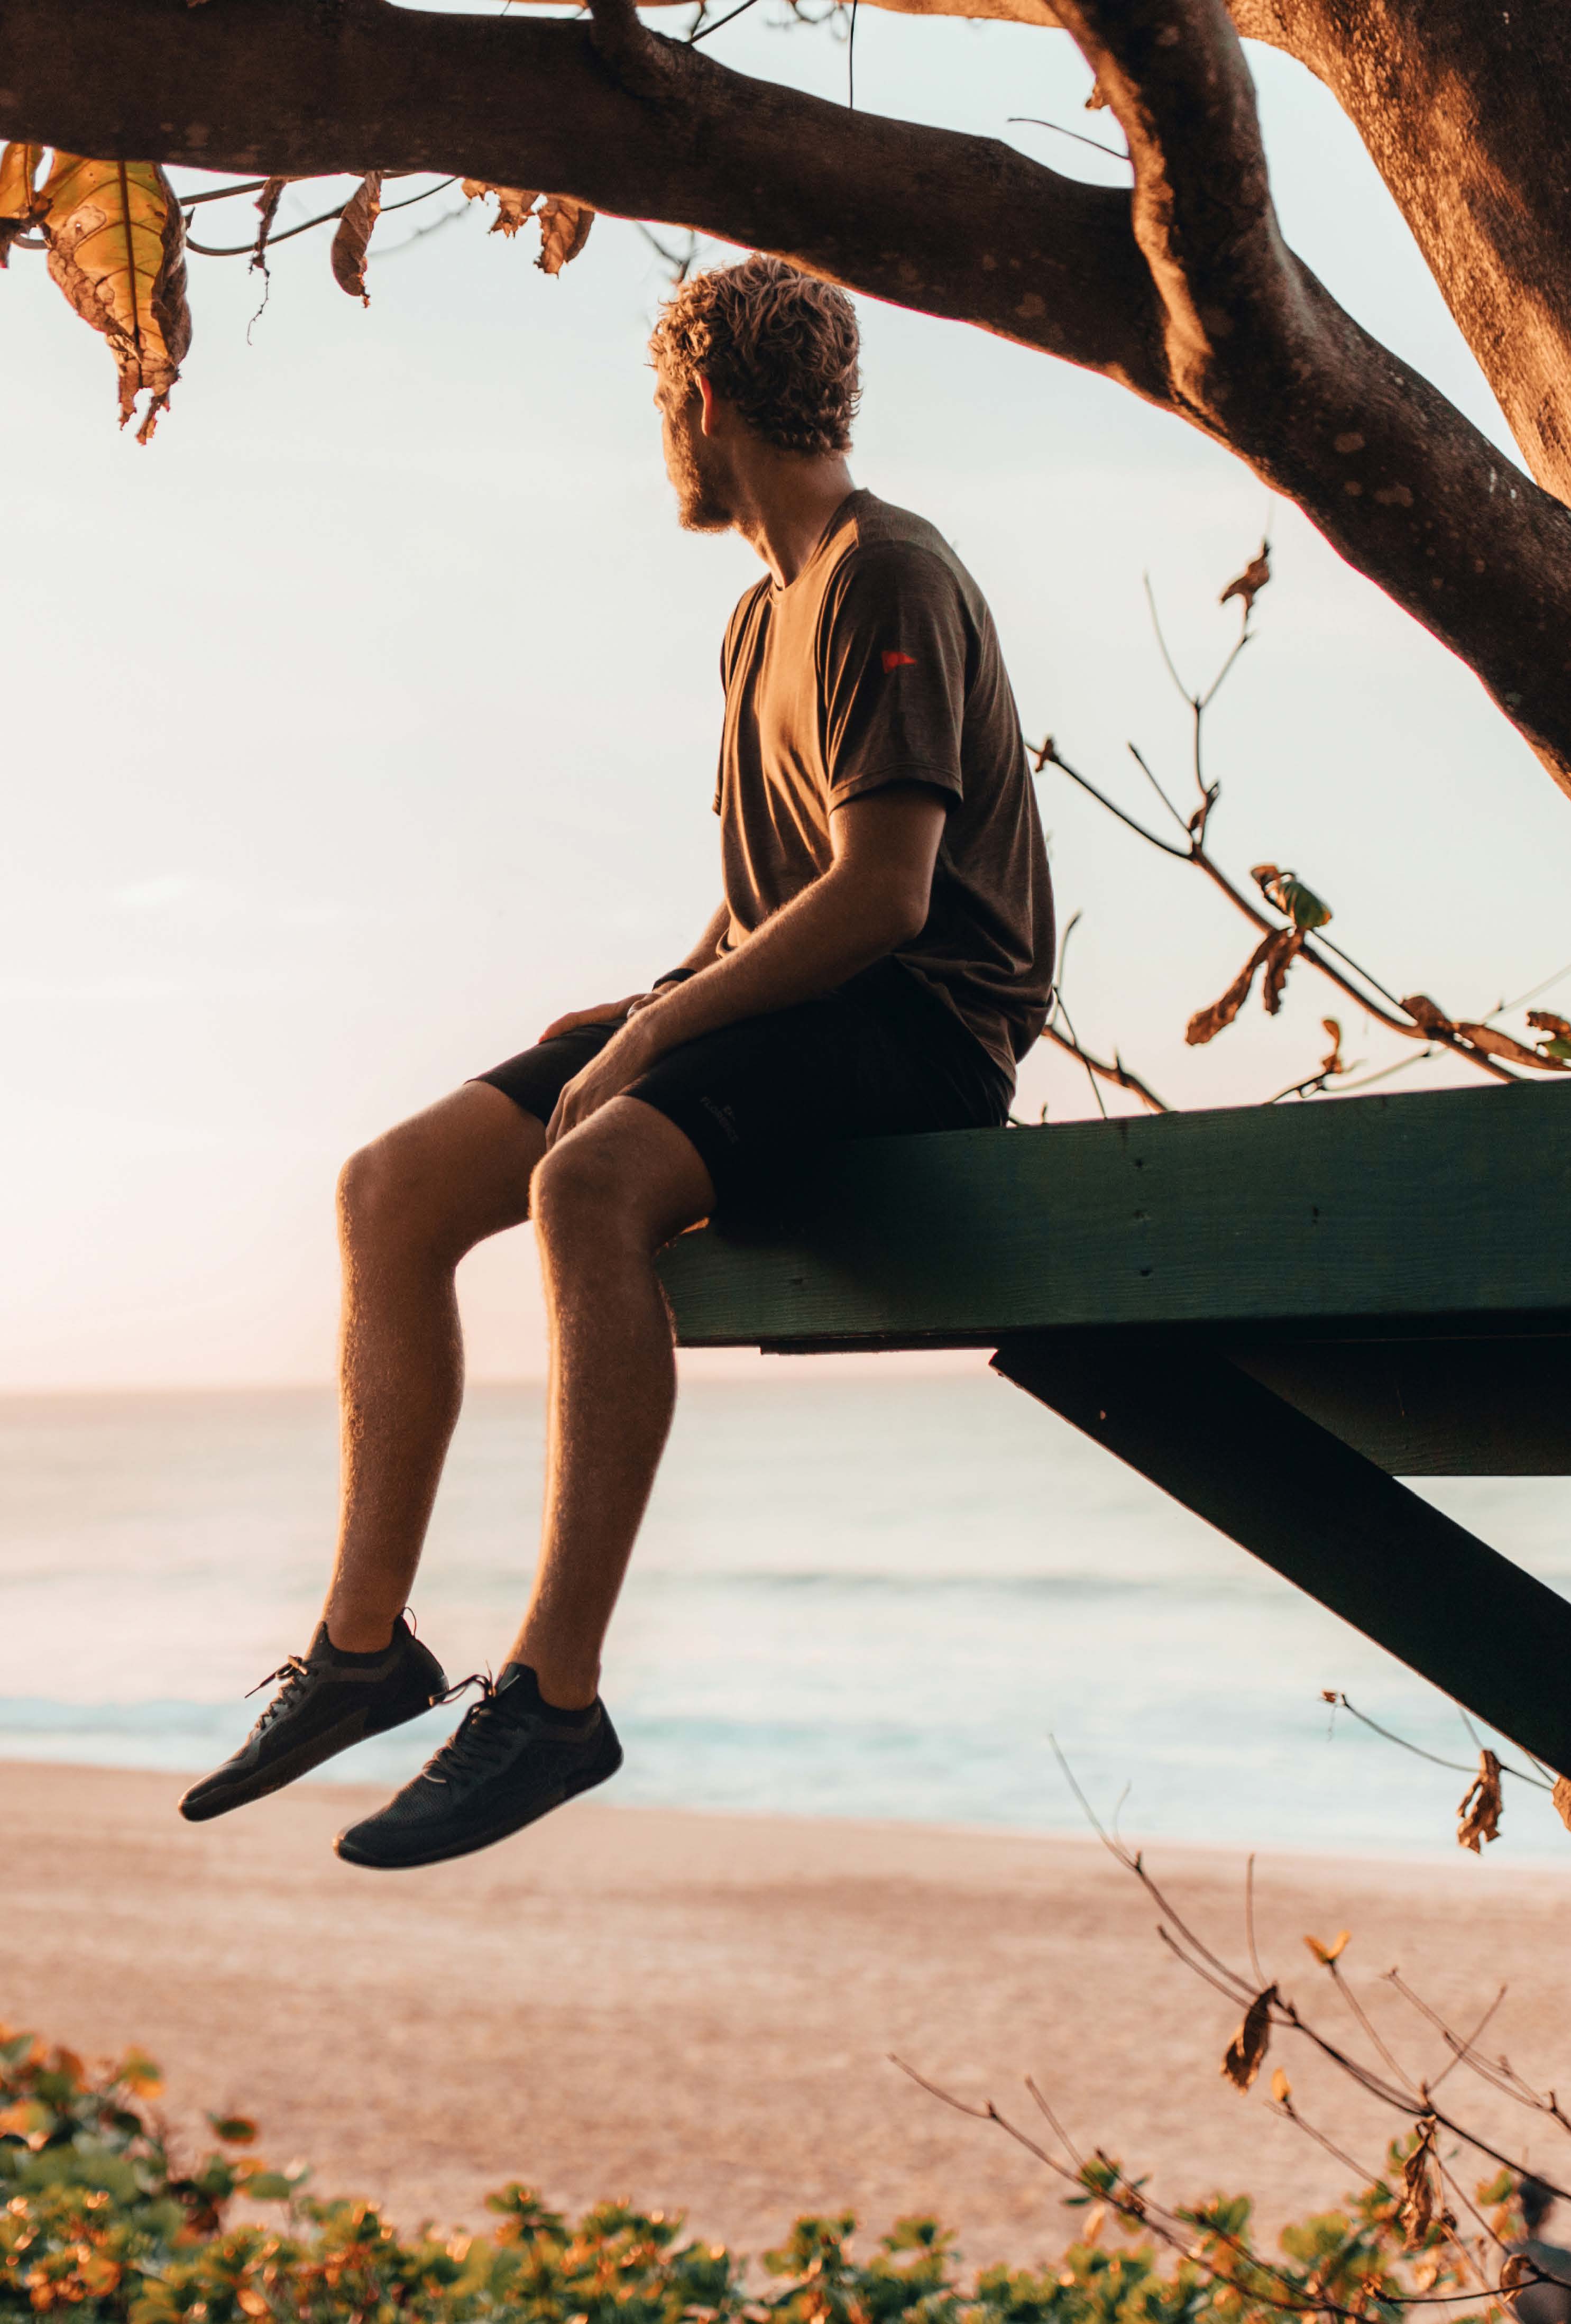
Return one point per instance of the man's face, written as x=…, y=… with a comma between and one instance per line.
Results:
x=693, y=460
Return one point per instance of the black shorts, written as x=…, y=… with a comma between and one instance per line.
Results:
x=879, y=1056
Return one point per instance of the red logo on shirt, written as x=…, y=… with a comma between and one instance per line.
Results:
x=894, y=661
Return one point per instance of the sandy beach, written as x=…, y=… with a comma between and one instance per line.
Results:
x=697, y=2011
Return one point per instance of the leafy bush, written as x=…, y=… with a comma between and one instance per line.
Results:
x=100, y=2218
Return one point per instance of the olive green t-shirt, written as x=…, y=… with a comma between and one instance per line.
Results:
x=879, y=664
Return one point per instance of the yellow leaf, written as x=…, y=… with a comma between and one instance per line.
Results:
x=116, y=248
x=22, y=203
x=139, y=2073
x=513, y=203
x=563, y=230
x=1478, y=1817
x=1326, y=1954
x=1281, y=2089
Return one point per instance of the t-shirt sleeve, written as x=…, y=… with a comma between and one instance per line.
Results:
x=893, y=647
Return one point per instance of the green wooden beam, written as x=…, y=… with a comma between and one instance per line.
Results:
x=1443, y=1601
x=1439, y=1405
x=1452, y=1205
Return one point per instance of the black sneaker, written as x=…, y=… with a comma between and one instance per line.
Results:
x=513, y=1760
x=327, y=1702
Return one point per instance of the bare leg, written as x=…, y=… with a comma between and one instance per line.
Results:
x=606, y=1198
x=410, y=1205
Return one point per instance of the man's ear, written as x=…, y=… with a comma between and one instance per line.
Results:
x=706, y=397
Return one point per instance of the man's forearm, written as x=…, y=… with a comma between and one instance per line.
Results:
x=821, y=938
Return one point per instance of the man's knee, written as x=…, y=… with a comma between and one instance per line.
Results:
x=625, y=1175
x=582, y=1187
x=377, y=1191
x=443, y=1181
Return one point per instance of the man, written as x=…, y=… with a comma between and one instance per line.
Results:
x=882, y=957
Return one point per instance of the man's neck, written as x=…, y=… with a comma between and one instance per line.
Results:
x=786, y=505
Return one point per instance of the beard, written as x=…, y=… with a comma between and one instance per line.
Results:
x=702, y=503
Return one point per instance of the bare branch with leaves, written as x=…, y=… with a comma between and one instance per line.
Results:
x=1291, y=917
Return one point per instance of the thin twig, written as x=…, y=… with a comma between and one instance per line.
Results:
x=1156, y=786
x=1364, y=2018
x=1289, y=2113
x=1456, y=1766
x=1073, y=1046
x=1161, y=641
x=245, y=249
x=1117, y=1072
x=222, y=193
x=1459, y=2049
x=1260, y=1976
x=1095, y=145
x=1046, y=755
x=1523, y=998
x=1401, y=1066
x=702, y=30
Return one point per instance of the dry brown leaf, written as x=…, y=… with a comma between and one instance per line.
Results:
x=1417, y=2208
x=353, y=238
x=22, y=200
x=1288, y=944
x=1514, y=2273
x=1333, y=1062
x=1428, y=1013
x=1249, y=584
x=267, y=203
x=1478, y=1817
x=1326, y=1954
x=1561, y=1796
x=1547, y=1021
x=513, y=203
x=1246, y=2052
x=116, y=248
x=1207, y=1023
x=563, y=230
x=1502, y=1045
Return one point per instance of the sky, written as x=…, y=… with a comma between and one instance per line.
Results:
x=368, y=717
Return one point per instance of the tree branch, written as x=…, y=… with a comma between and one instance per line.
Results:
x=1244, y=342
x=1261, y=357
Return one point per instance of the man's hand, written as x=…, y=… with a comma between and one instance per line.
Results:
x=624, y=1058
x=605, y=1013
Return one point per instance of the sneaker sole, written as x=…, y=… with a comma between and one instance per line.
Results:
x=297, y=1763
x=473, y=1845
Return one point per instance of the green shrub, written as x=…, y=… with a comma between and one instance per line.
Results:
x=100, y=2218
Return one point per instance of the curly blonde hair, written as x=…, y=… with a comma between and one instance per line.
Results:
x=780, y=345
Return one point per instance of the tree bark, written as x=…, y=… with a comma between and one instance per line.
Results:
x=1465, y=111
x=1186, y=294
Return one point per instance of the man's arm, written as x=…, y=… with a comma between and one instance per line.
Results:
x=873, y=899
x=606, y=1012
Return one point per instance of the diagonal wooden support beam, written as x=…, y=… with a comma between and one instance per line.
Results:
x=1305, y=1503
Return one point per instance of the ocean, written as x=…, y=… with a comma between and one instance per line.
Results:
x=856, y=1595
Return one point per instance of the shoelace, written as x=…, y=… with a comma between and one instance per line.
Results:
x=294, y=1675
x=482, y=1742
